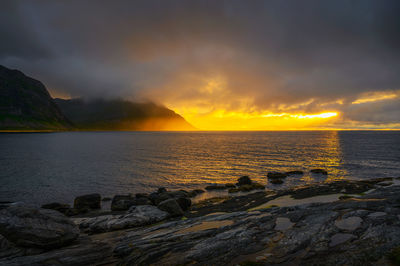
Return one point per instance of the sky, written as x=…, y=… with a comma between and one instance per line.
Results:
x=222, y=65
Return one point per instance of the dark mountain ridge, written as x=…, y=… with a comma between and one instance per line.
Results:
x=26, y=104
x=118, y=114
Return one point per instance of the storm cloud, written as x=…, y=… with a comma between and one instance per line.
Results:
x=280, y=56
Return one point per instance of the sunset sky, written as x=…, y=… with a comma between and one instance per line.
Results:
x=222, y=65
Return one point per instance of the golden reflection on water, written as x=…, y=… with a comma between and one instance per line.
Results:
x=219, y=158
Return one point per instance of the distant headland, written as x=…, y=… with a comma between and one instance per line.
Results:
x=26, y=106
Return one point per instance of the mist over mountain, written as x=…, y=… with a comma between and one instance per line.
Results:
x=118, y=114
x=26, y=104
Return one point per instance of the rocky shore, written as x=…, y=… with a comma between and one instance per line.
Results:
x=338, y=223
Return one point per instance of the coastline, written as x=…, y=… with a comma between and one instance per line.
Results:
x=346, y=222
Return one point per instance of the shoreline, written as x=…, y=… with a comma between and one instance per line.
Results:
x=304, y=225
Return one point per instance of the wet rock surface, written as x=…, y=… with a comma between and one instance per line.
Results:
x=136, y=216
x=360, y=230
x=29, y=226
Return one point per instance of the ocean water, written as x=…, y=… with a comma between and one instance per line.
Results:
x=47, y=167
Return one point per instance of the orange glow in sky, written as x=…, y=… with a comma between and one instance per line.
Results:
x=223, y=120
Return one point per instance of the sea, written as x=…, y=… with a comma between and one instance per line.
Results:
x=56, y=167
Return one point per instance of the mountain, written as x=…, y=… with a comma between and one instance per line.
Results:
x=25, y=104
x=101, y=114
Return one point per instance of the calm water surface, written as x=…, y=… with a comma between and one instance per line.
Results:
x=45, y=167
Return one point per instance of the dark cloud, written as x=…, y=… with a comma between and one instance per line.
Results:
x=275, y=53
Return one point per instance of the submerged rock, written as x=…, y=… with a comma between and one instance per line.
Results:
x=91, y=201
x=275, y=175
x=295, y=172
x=215, y=187
x=229, y=185
x=171, y=206
x=319, y=171
x=276, y=181
x=33, y=227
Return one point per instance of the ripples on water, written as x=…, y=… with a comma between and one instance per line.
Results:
x=45, y=167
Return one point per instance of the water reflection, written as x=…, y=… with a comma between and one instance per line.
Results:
x=60, y=166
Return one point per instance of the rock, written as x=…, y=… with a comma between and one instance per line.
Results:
x=275, y=175
x=5, y=204
x=230, y=185
x=141, y=195
x=340, y=238
x=184, y=203
x=195, y=192
x=156, y=198
x=244, y=180
x=4, y=244
x=319, y=171
x=276, y=181
x=385, y=183
x=178, y=194
x=63, y=208
x=136, y=216
x=215, y=187
x=376, y=214
x=91, y=201
x=106, y=199
x=283, y=224
x=295, y=172
x=33, y=227
x=161, y=190
x=233, y=190
x=73, y=212
x=92, y=253
x=349, y=224
x=246, y=188
x=124, y=202
x=171, y=206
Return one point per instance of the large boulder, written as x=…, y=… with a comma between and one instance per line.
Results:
x=136, y=216
x=244, y=180
x=171, y=206
x=124, y=202
x=33, y=227
x=91, y=201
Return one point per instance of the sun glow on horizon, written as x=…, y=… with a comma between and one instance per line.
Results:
x=234, y=120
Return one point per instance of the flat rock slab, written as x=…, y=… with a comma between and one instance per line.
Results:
x=349, y=224
x=136, y=216
x=283, y=223
x=377, y=214
x=340, y=239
